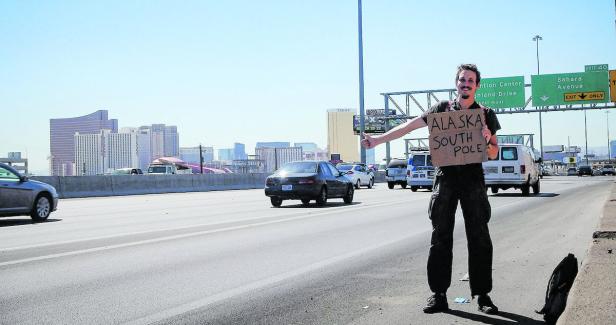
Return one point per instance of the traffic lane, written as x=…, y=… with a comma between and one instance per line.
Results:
x=183, y=217
x=420, y=216
x=182, y=271
x=80, y=219
x=390, y=287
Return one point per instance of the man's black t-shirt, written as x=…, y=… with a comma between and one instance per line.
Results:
x=491, y=122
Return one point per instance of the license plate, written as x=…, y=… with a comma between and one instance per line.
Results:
x=287, y=187
x=508, y=169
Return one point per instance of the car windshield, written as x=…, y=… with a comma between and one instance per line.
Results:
x=159, y=169
x=298, y=167
x=422, y=160
x=344, y=167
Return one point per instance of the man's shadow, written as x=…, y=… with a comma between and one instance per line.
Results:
x=514, y=318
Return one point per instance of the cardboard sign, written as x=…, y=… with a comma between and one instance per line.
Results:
x=456, y=139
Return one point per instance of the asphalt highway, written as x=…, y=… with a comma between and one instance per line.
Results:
x=229, y=257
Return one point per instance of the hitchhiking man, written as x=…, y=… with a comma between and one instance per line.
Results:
x=464, y=183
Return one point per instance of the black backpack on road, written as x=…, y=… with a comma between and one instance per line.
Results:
x=558, y=288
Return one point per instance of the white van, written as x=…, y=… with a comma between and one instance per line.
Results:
x=419, y=171
x=396, y=172
x=516, y=166
x=167, y=169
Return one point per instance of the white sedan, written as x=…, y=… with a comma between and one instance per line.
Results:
x=358, y=174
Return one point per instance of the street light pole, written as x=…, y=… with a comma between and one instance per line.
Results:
x=586, y=137
x=607, y=123
x=538, y=38
x=361, y=82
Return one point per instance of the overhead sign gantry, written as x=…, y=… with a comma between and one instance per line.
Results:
x=590, y=90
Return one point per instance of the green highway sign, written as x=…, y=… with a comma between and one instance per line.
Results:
x=570, y=88
x=505, y=92
x=595, y=67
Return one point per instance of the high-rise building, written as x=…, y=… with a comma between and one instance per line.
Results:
x=225, y=154
x=273, y=145
x=62, y=138
x=318, y=154
x=164, y=140
x=157, y=140
x=340, y=136
x=172, y=141
x=208, y=154
x=121, y=150
x=144, y=147
x=239, y=151
x=190, y=155
x=274, y=158
x=89, y=156
x=306, y=146
x=96, y=154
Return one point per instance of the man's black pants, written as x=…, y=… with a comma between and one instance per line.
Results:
x=467, y=186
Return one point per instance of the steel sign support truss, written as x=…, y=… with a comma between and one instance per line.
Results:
x=411, y=97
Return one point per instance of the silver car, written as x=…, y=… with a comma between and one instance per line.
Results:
x=22, y=196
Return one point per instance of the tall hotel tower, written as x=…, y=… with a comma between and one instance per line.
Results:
x=62, y=138
x=340, y=136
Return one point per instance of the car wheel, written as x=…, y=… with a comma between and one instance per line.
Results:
x=322, y=198
x=536, y=187
x=494, y=189
x=305, y=202
x=414, y=188
x=358, y=184
x=41, y=208
x=525, y=190
x=371, y=183
x=348, y=198
x=403, y=185
x=390, y=185
x=276, y=201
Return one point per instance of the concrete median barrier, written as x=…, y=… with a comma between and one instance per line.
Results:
x=110, y=185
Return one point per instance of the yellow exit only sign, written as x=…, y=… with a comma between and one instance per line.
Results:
x=589, y=95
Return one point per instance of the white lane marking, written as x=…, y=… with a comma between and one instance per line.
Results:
x=187, y=307
x=168, y=238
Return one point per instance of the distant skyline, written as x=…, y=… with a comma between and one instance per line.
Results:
x=251, y=71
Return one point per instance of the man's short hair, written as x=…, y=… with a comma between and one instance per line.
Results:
x=469, y=67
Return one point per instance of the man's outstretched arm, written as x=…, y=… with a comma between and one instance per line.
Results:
x=395, y=133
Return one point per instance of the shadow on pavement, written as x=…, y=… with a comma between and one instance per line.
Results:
x=313, y=205
x=512, y=318
x=21, y=222
x=530, y=196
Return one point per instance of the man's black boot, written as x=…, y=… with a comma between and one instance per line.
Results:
x=486, y=305
x=436, y=304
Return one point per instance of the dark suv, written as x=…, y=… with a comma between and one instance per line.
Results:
x=584, y=170
x=608, y=170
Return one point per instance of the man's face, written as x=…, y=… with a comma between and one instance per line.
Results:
x=467, y=84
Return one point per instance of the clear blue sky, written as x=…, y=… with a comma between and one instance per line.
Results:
x=248, y=71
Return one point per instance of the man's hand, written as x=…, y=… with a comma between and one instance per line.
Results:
x=486, y=133
x=368, y=141
x=492, y=144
